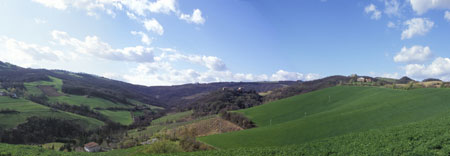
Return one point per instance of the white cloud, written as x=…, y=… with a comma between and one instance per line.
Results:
x=376, y=14
x=422, y=6
x=392, y=7
x=211, y=62
x=417, y=26
x=57, y=4
x=136, y=6
x=447, y=15
x=144, y=38
x=93, y=46
x=414, y=54
x=131, y=16
x=391, y=75
x=163, y=6
x=196, y=17
x=162, y=71
x=134, y=9
x=439, y=68
x=39, y=21
x=391, y=24
x=89, y=5
x=25, y=54
x=154, y=26
x=282, y=75
x=385, y=75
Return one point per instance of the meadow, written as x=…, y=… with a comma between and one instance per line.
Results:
x=169, y=118
x=333, y=112
x=427, y=137
x=32, y=87
x=28, y=109
x=122, y=117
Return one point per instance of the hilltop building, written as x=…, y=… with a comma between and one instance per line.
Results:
x=362, y=79
x=13, y=95
x=92, y=147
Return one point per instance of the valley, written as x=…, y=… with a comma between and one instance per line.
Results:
x=337, y=114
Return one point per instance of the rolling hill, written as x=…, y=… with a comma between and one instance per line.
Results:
x=334, y=112
x=114, y=99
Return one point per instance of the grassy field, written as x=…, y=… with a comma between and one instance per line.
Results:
x=28, y=109
x=122, y=117
x=34, y=90
x=172, y=117
x=427, y=137
x=333, y=112
x=138, y=103
x=53, y=146
x=92, y=102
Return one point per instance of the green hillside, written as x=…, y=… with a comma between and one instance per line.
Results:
x=28, y=109
x=53, y=90
x=333, y=112
x=122, y=117
x=427, y=137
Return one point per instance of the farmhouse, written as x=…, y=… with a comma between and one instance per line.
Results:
x=2, y=93
x=13, y=95
x=92, y=147
x=361, y=79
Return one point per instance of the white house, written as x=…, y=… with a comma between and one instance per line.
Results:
x=361, y=79
x=92, y=147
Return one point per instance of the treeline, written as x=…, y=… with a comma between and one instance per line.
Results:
x=135, y=108
x=306, y=87
x=8, y=111
x=43, y=130
x=146, y=119
x=39, y=130
x=237, y=119
x=175, y=96
x=225, y=100
x=91, y=85
x=100, y=93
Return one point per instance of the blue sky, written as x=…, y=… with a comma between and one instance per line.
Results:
x=168, y=42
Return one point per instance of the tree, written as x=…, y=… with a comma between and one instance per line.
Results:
x=410, y=86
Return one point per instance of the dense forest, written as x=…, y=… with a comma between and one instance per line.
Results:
x=225, y=100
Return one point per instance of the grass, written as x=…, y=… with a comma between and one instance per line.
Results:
x=92, y=102
x=333, y=112
x=339, y=121
x=29, y=109
x=172, y=117
x=138, y=103
x=427, y=137
x=54, y=145
x=32, y=86
x=122, y=117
